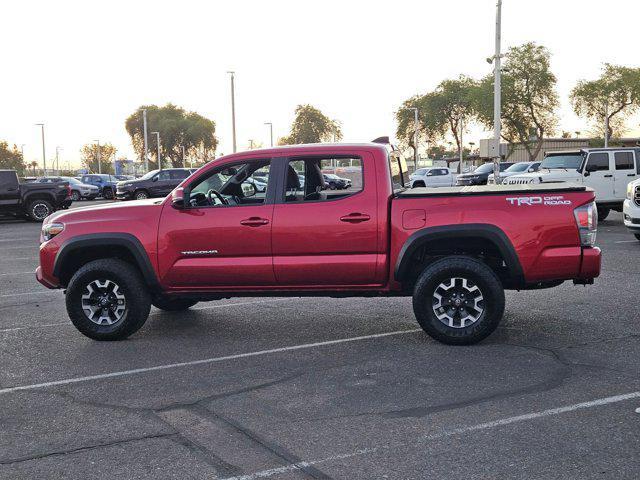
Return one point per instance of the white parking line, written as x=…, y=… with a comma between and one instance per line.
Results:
x=23, y=247
x=32, y=272
x=446, y=433
x=626, y=241
x=204, y=361
x=69, y=324
x=39, y=292
x=35, y=237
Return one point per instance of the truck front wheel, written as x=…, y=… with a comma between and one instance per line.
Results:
x=458, y=300
x=107, y=300
x=38, y=210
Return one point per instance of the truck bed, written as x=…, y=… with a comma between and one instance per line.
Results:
x=540, y=188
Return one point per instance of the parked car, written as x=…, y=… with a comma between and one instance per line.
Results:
x=453, y=252
x=432, y=177
x=122, y=178
x=156, y=183
x=106, y=183
x=34, y=200
x=480, y=175
x=607, y=170
x=79, y=190
x=631, y=208
x=334, y=182
x=515, y=169
x=258, y=183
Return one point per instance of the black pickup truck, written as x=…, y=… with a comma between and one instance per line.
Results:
x=36, y=201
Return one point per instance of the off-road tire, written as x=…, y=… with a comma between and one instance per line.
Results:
x=39, y=209
x=128, y=279
x=75, y=196
x=476, y=273
x=603, y=213
x=173, y=304
x=141, y=195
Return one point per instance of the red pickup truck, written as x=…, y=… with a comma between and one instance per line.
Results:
x=454, y=250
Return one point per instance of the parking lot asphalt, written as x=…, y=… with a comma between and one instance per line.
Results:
x=323, y=388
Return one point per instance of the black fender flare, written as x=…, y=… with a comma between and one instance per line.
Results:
x=97, y=240
x=470, y=230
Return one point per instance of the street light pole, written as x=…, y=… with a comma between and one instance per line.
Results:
x=270, y=131
x=233, y=108
x=98, y=157
x=58, y=160
x=146, y=148
x=415, y=136
x=606, y=124
x=157, y=134
x=497, y=95
x=22, y=150
x=44, y=158
x=183, y=164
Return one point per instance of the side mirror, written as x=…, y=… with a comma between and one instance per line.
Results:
x=177, y=198
x=229, y=172
x=248, y=189
x=155, y=179
x=531, y=170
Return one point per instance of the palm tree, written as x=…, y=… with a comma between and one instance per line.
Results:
x=33, y=165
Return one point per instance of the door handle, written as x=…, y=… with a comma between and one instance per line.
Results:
x=254, y=222
x=631, y=174
x=608, y=176
x=355, y=218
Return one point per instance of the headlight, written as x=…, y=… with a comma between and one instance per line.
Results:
x=630, y=191
x=50, y=230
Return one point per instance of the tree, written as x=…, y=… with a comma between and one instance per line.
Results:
x=610, y=99
x=529, y=98
x=11, y=158
x=445, y=111
x=178, y=128
x=89, y=157
x=310, y=125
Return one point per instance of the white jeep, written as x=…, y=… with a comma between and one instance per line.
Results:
x=607, y=170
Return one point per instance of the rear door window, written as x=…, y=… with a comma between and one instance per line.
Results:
x=624, y=160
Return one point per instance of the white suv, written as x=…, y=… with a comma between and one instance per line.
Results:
x=607, y=170
x=631, y=209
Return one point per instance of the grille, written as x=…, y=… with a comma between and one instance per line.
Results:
x=519, y=181
x=636, y=195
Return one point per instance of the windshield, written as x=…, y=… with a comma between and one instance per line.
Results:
x=570, y=160
x=517, y=167
x=75, y=181
x=486, y=168
x=148, y=175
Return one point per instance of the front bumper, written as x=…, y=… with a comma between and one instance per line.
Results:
x=469, y=181
x=124, y=194
x=631, y=216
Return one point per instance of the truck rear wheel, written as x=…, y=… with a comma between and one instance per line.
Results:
x=107, y=300
x=458, y=300
x=39, y=209
x=173, y=304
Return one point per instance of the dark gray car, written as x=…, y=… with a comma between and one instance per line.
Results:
x=156, y=183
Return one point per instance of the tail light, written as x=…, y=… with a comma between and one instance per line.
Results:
x=587, y=222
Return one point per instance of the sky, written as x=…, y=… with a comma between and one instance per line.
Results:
x=82, y=67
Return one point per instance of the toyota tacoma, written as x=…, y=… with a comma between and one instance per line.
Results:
x=453, y=250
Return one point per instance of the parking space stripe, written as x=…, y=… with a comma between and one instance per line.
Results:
x=446, y=433
x=204, y=361
x=39, y=292
x=18, y=273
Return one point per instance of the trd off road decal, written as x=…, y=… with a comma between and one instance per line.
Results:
x=530, y=201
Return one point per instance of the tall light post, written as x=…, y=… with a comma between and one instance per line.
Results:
x=183, y=164
x=98, y=156
x=146, y=143
x=270, y=131
x=233, y=108
x=58, y=159
x=157, y=134
x=606, y=124
x=44, y=158
x=22, y=150
x=415, y=136
x=497, y=99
